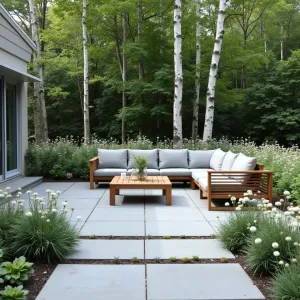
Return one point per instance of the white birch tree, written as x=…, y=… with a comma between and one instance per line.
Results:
x=178, y=80
x=124, y=75
x=197, y=77
x=210, y=96
x=281, y=42
x=40, y=113
x=86, y=118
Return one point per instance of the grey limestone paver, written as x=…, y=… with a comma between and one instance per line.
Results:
x=84, y=194
x=82, y=212
x=118, y=213
x=215, y=215
x=167, y=213
x=77, y=282
x=78, y=203
x=121, y=200
x=177, y=228
x=177, y=201
x=205, y=249
x=55, y=186
x=117, y=228
x=201, y=281
x=109, y=249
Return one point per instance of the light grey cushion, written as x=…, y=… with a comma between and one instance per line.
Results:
x=175, y=172
x=150, y=155
x=216, y=160
x=109, y=172
x=228, y=161
x=112, y=158
x=229, y=181
x=244, y=163
x=197, y=173
x=173, y=158
x=150, y=172
x=200, y=158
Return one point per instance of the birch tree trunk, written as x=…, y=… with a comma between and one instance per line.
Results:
x=40, y=113
x=141, y=60
x=281, y=42
x=178, y=80
x=86, y=118
x=124, y=76
x=210, y=96
x=197, y=78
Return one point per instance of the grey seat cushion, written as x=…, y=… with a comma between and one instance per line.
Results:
x=197, y=173
x=150, y=155
x=175, y=172
x=150, y=172
x=112, y=158
x=228, y=161
x=216, y=160
x=200, y=158
x=109, y=172
x=173, y=158
x=229, y=181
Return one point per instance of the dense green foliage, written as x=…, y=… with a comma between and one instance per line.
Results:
x=255, y=93
x=14, y=293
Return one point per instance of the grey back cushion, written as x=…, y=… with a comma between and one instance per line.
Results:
x=200, y=158
x=228, y=161
x=150, y=155
x=173, y=158
x=216, y=160
x=112, y=158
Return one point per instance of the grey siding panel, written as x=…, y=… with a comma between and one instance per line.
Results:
x=14, y=49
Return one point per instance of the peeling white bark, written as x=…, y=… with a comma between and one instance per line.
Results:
x=210, y=97
x=40, y=113
x=124, y=75
x=281, y=42
x=177, y=119
x=86, y=118
x=197, y=78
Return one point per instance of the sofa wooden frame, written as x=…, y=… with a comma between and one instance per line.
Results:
x=218, y=185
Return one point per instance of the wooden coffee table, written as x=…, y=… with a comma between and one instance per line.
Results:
x=153, y=182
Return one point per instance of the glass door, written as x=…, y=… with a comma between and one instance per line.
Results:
x=1, y=129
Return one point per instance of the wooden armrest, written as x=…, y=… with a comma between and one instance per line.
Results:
x=94, y=163
x=240, y=172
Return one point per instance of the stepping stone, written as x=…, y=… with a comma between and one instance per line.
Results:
x=177, y=228
x=173, y=214
x=77, y=282
x=116, y=228
x=109, y=249
x=201, y=281
x=205, y=249
x=118, y=213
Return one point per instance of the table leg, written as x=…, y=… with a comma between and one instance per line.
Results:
x=112, y=196
x=164, y=192
x=117, y=192
x=169, y=196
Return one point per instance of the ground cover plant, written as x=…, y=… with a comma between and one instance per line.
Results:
x=66, y=158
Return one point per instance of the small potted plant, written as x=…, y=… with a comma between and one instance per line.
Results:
x=140, y=167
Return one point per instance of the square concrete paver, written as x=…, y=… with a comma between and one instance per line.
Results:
x=169, y=213
x=215, y=215
x=107, y=249
x=177, y=201
x=82, y=212
x=118, y=213
x=201, y=281
x=77, y=282
x=116, y=228
x=78, y=203
x=205, y=249
x=177, y=228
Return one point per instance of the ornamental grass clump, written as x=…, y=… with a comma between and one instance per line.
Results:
x=273, y=245
x=286, y=283
x=44, y=233
x=234, y=231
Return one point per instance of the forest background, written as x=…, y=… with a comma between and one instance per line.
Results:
x=258, y=82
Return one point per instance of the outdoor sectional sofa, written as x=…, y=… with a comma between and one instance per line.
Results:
x=218, y=174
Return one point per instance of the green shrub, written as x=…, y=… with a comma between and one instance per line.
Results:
x=286, y=284
x=58, y=172
x=17, y=271
x=234, y=231
x=14, y=293
x=260, y=253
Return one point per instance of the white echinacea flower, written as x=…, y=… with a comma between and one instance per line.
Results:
x=28, y=214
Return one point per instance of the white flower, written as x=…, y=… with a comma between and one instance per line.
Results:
x=35, y=194
x=227, y=204
x=28, y=192
x=54, y=210
x=269, y=205
x=265, y=201
x=274, y=209
x=259, y=205
x=13, y=202
x=286, y=193
x=1, y=196
x=48, y=191
x=286, y=213
x=19, y=189
x=276, y=253
x=249, y=192
x=294, y=260
x=294, y=224
x=8, y=188
x=288, y=238
x=64, y=204
x=5, y=193
x=281, y=262
x=252, y=228
x=233, y=198
x=278, y=203
x=58, y=192
x=48, y=220
x=19, y=194
x=238, y=208
x=245, y=194
x=65, y=210
x=78, y=218
x=28, y=214
x=257, y=241
x=286, y=265
x=21, y=204
x=275, y=245
x=53, y=195
x=281, y=200
x=42, y=217
x=288, y=197
x=296, y=244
